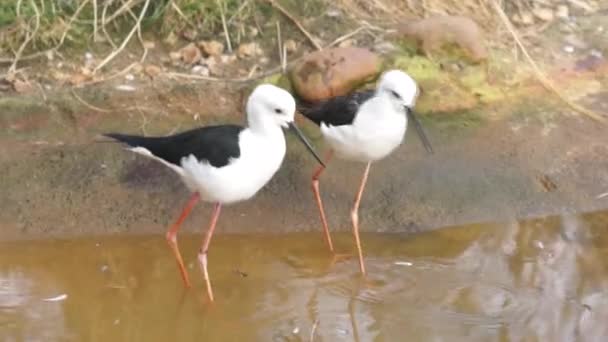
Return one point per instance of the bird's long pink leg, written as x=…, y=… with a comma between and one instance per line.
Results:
x=315, y=189
x=172, y=236
x=202, y=254
x=355, y=216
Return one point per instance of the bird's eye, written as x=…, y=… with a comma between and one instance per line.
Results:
x=394, y=93
x=278, y=111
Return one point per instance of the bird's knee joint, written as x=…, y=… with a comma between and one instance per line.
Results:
x=171, y=237
x=354, y=215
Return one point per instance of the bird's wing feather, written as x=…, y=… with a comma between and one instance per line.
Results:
x=214, y=144
x=337, y=111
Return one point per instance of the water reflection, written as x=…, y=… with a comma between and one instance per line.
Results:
x=535, y=280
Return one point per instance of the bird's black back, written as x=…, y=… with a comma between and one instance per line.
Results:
x=215, y=144
x=337, y=111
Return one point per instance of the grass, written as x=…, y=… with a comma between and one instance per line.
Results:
x=62, y=24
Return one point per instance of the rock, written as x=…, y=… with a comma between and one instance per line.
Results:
x=332, y=72
x=333, y=13
x=290, y=45
x=152, y=70
x=149, y=44
x=253, y=32
x=22, y=86
x=576, y=41
x=544, y=14
x=175, y=56
x=227, y=58
x=525, y=18
x=78, y=79
x=171, y=39
x=211, y=47
x=249, y=50
x=200, y=70
x=385, y=47
x=347, y=43
x=125, y=87
x=190, y=54
x=434, y=32
x=188, y=34
x=562, y=12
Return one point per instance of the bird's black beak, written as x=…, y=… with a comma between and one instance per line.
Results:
x=412, y=117
x=296, y=130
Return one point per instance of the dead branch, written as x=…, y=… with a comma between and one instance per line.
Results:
x=296, y=22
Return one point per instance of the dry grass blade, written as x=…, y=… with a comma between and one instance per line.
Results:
x=88, y=105
x=345, y=37
x=181, y=14
x=296, y=22
x=61, y=41
x=28, y=38
x=220, y=4
x=538, y=73
x=313, y=330
x=135, y=28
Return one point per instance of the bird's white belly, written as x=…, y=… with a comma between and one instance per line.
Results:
x=365, y=143
x=239, y=180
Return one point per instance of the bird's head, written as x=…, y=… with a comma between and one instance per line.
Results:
x=270, y=107
x=399, y=88
x=402, y=92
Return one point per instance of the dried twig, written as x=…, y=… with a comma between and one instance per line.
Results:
x=124, y=8
x=539, y=74
x=140, y=38
x=94, y=20
x=28, y=38
x=282, y=49
x=313, y=330
x=226, y=80
x=345, y=37
x=85, y=103
x=126, y=40
x=103, y=25
x=113, y=76
x=296, y=22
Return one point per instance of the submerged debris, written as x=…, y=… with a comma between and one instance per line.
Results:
x=57, y=298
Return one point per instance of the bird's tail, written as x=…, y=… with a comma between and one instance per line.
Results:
x=131, y=140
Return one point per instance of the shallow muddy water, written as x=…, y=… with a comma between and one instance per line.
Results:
x=535, y=280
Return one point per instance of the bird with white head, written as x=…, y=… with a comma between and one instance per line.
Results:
x=365, y=126
x=224, y=164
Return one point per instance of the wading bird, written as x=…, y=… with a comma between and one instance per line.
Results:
x=364, y=126
x=224, y=164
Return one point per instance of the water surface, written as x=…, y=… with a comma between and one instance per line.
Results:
x=534, y=280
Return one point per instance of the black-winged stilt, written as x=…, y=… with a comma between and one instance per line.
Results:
x=224, y=164
x=364, y=126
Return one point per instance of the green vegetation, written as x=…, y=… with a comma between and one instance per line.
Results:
x=47, y=24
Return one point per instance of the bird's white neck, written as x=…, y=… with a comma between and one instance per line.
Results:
x=264, y=126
